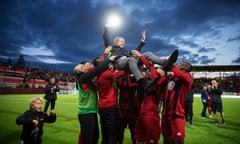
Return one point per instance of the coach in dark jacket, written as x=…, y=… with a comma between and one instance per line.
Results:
x=51, y=90
x=189, y=105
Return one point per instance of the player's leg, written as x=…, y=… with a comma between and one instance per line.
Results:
x=209, y=108
x=166, y=131
x=139, y=133
x=88, y=128
x=220, y=109
x=46, y=105
x=167, y=140
x=172, y=58
x=178, y=130
x=186, y=111
x=152, y=124
x=190, y=112
x=103, y=124
x=53, y=104
x=112, y=122
x=123, y=126
x=131, y=124
x=132, y=63
x=214, y=110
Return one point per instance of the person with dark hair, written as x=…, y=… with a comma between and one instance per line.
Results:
x=189, y=106
x=33, y=120
x=204, y=98
x=216, y=92
x=127, y=107
x=176, y=85
x=51, y=90
x=107, y=103
x=147, y=129
x=87, y=98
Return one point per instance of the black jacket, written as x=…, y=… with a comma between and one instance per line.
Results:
x=116, y=50
x=189, y=97
x=49, y=94
x=216, y=93
x=31, y=134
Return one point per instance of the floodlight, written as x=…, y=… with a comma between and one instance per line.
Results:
x=113, y=21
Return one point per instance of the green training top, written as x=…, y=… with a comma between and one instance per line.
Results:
x=87, y=101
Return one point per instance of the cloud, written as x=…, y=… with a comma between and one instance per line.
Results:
x=206, y=50
x=237, y=60
x=206, y=60
x=36, y=51
x=52, y=61
x=237, y=38
x=69, y=31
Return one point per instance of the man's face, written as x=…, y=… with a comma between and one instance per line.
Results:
x=86, y=66
x=37, y=106
x=121, y=42
x=52, y=80
x=179, y=66
x=214, y=83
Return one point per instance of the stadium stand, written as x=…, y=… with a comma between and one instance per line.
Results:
x=36, y=78
x=33, y=78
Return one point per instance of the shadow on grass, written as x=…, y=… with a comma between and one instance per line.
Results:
x=11, y=138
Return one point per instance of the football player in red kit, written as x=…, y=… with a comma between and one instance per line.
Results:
x=127, y=107
x=178, y=84
x=107, y=104
x=148, y=120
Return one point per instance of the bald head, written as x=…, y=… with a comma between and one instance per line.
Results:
x=119, y=41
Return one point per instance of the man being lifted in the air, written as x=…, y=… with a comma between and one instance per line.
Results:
x=125, y=60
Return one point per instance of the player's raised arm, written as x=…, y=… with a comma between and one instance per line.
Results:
x=105, y=37
x=142, y=42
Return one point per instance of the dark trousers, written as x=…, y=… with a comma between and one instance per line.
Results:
x=52, y=101
x=188, y=111
x=110, y=125
x=89, y=128
x=204, y=109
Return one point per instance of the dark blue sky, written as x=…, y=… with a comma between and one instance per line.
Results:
x=61, y=33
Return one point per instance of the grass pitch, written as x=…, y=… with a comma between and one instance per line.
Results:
x=65, y=130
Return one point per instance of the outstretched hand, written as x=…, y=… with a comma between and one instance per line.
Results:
x=143, y=38
x=35, y=122
x=112, y=58
x=52, y=112
x=108, y=49
x=136, y=53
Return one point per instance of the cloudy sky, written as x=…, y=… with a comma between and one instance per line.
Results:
x=58, y=34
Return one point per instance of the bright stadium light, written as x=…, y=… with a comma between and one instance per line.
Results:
x=113, y=21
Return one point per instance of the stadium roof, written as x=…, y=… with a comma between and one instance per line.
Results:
x=216, y=68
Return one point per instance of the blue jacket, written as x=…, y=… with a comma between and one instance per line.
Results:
x=204, y=95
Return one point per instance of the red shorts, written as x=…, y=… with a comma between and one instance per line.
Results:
x=174, y=129
x=148, y=127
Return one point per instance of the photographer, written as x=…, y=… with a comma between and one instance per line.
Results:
x=51, y=90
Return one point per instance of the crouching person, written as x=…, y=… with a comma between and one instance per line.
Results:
x=33, y=120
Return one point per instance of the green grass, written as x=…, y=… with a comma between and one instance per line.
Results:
x=65, y=129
